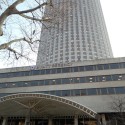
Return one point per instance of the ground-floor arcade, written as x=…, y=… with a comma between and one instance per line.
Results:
x=49, y=121
x=43, y=109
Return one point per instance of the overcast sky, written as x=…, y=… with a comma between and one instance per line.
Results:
x=114, y=13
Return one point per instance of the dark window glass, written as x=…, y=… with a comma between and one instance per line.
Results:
x=115, y=77
x=77, y=92
x=11, y=85
x=47, y=82
x=1, y=75
x=120, y=90
x=41, y=83
x=9, y=75
x=59, y=71
x=52, y=93
x=82, y=80
x=65, y=70
x=52, y=82
x=91, y=92
x=106, y=66
x=120, y=65
x=111, y=91
x=123, y=64
x=58, y=93
x=101, y=78
x=108, y=78
x=19, y=84
x=48, y=71
x=26, y=84
x=42, y=71
x=35, y=72
x=76, y=80
x=99, y=91
x=58, y=81
x=83, y=92
x=90, y=79
x=99, y=67
x=81, y=68
x=15, y=74
x=66, y=81
x=122, y=76
x=45, y=92
x=26, y=73
x=34, y=83
x=89, y=68
x=103, y=91
x=3, y=85
x=114, y=66
x=65, y=93
x=75, y=69
x=53, y=71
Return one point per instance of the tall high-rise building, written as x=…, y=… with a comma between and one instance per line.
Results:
x=80, y=34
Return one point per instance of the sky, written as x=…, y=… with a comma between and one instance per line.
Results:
x=114, y=14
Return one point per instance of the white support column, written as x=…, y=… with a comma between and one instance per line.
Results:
x=27, y=121
x=76, y=120
x=50, y=121
x=103, y=119
x=4, y=121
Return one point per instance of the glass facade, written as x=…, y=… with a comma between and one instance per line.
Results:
x=81, y=92
x=64, y=70
x=59, y=81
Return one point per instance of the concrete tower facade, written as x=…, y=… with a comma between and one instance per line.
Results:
x=80, y=35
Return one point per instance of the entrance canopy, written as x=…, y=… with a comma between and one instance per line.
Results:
x=41, y=105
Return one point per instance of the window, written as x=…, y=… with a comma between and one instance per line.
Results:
x=108, y=78
x=53, y=71
x=106, y=66
x=58, y=81
x=58, y=70
x=81, y=68
x=77, y=92
x=103, y=91
x=58, y=93
x=91, y=92
x=47, y=82
x=52, y=93
x=76, y=80
x=111, y=91
x=120, y=90
x=75, y=69
x=41, y=82
x=65, y=70
x=48, y=71
x=99, y=67
x=3, y=85
x=43, y=71
x=83, y=92
x=34, y=83
x=66, y=93
x=114, y=66
x=66, y=81
x=115, y=77
x=89, y=68
x=90, y=79
x=82, y=80
x=35, y=72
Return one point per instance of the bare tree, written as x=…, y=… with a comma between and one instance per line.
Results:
x=21, y=22
x=118, y=106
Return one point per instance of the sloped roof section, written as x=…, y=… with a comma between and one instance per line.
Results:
x=41, y=105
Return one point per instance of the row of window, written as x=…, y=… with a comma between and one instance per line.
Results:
x=82, y=92
x=71, y=80
x=64, y=70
